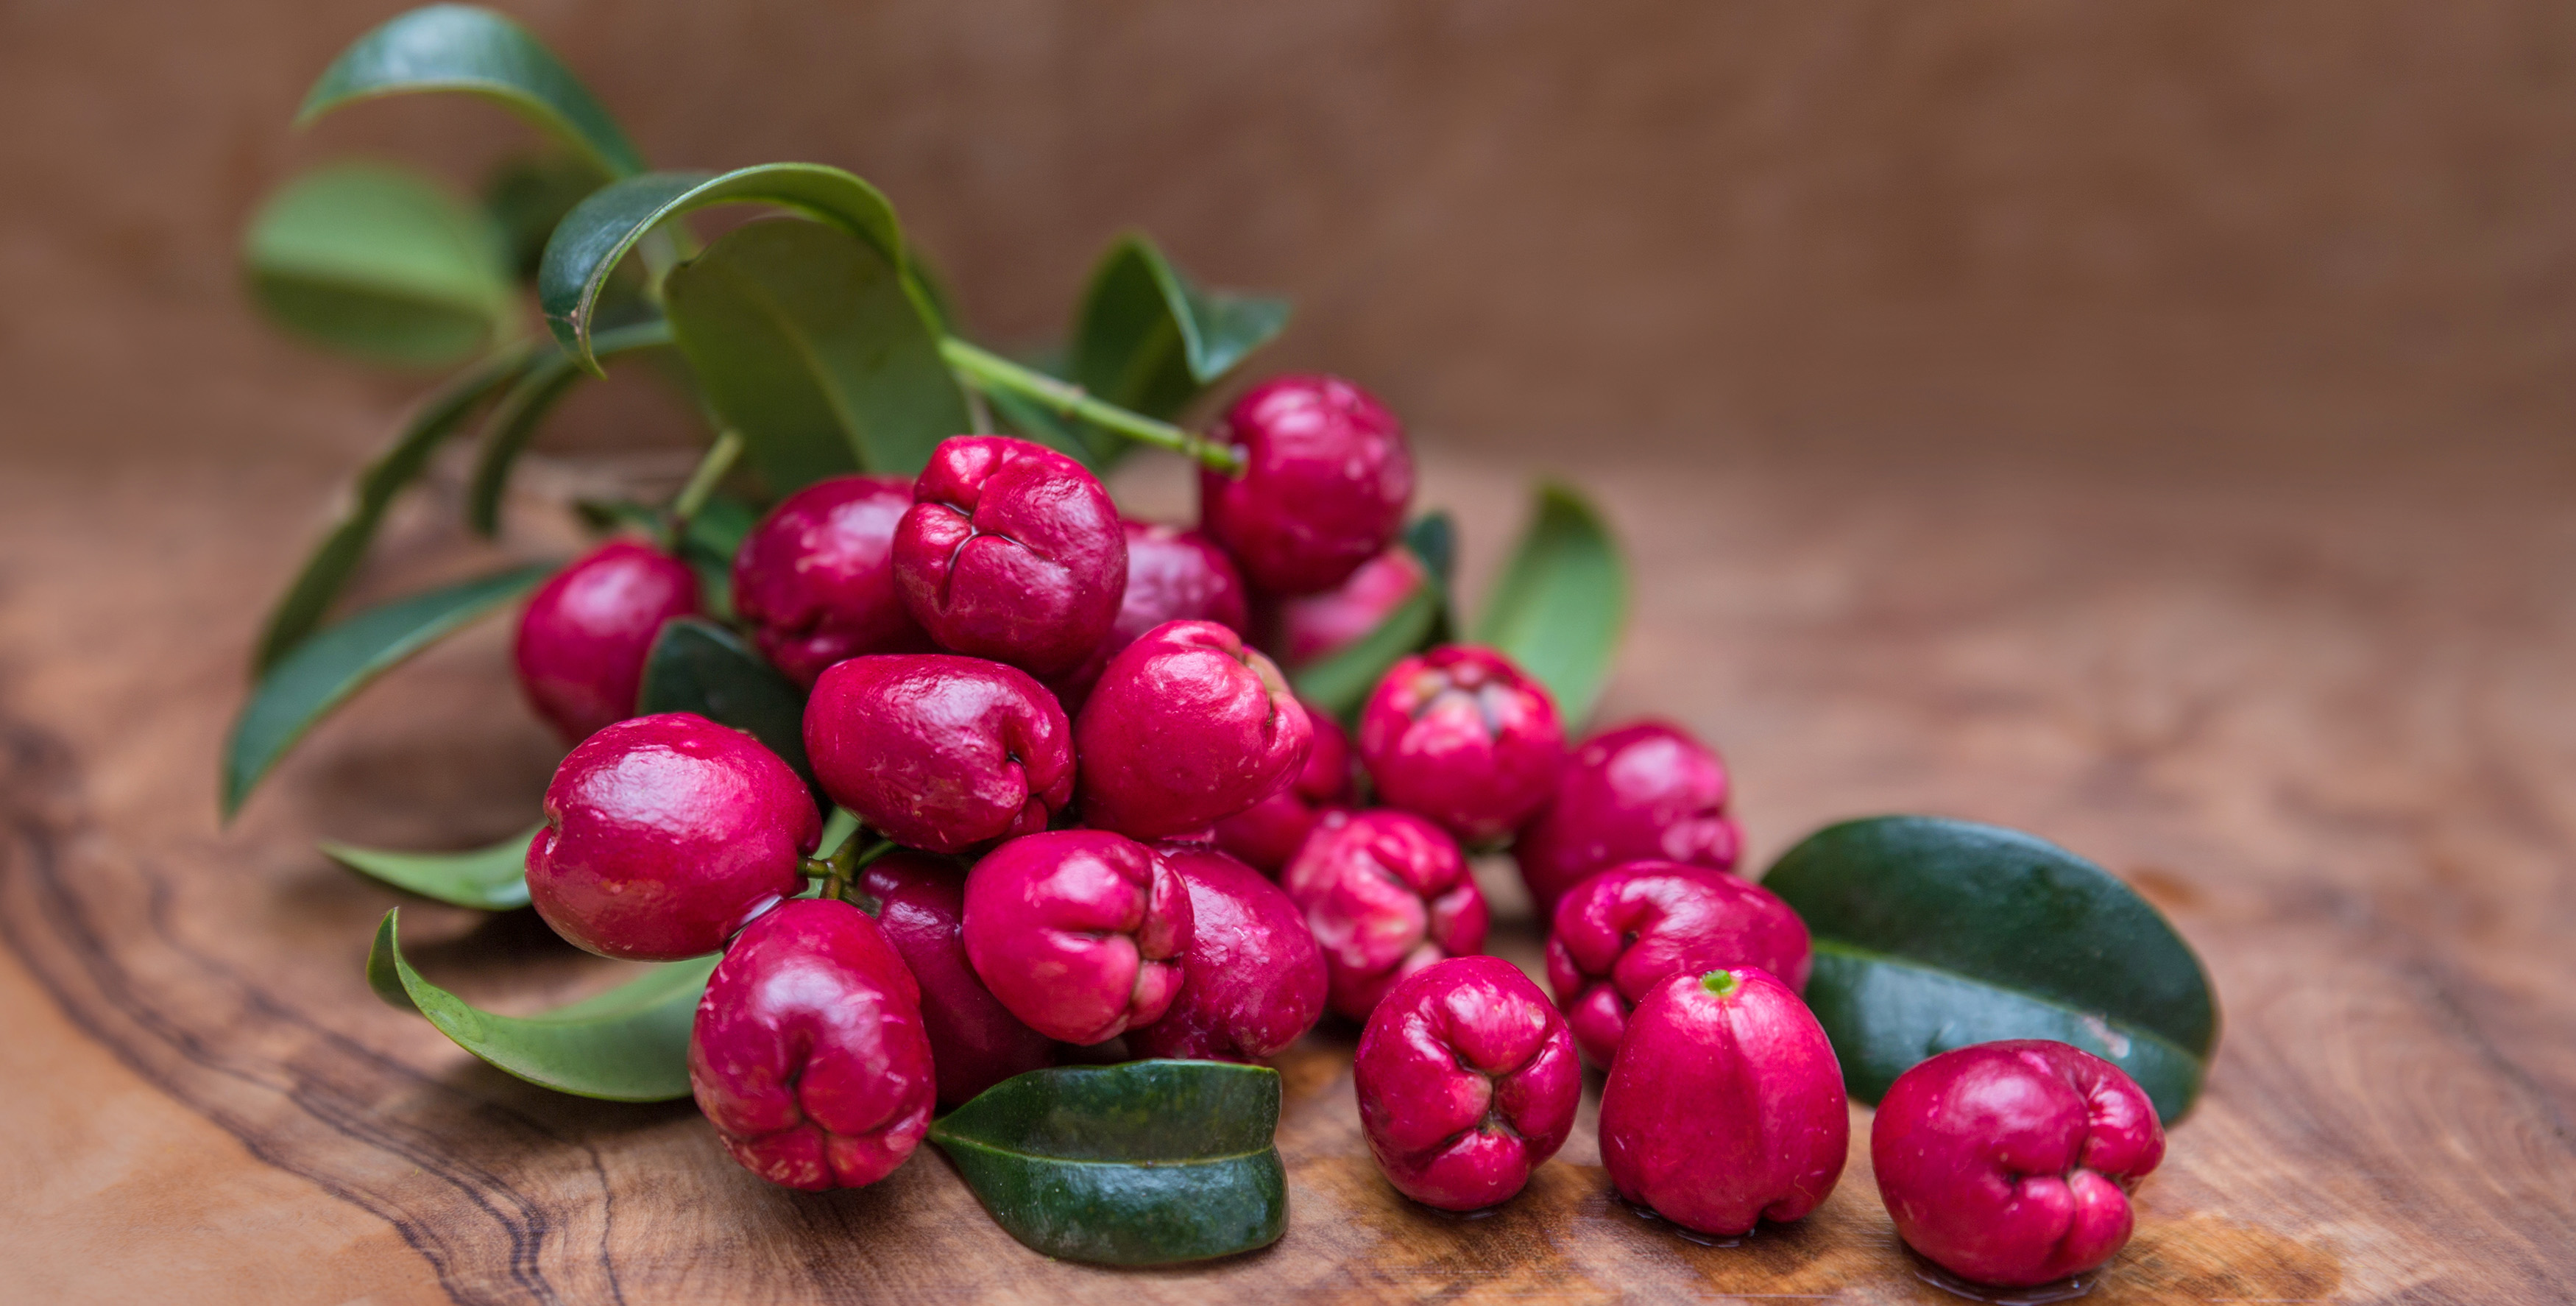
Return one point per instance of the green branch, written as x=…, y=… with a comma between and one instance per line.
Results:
x=991, y=371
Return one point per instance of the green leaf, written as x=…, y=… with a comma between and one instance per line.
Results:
x=1029, y=419
x=1433, y=537
x=379, y=262
x=327, y=572
x=492, y=879
x=1340, y=681
x=1562, y=599
x=514, y=421
x=1147, y=1163
x=529, y=194
x=698, y=666
x=630, y=1044
x=475, y=51
x=809, y=344
x=1935, y=934
x=1147, y=339
x=595, y=236
x=326, y=669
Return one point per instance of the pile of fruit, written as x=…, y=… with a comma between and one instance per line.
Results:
x=941, y=786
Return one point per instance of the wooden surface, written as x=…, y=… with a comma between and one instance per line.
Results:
x=2327, y=726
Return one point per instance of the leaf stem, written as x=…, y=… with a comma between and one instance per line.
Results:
x=989, y=370
x=719, y=459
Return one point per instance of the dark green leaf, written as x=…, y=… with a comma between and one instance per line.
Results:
x=595, y=236
x=699, y=666
x=1934, y=934
x=492, y=879
x=809, y=344
x=1148, y=340
x=1029, y=419
x=327, y=572
x=630, y=1044
x=528, y=194
x=1340, y=682
x=1561, y=602
x=379, y=262
x=326, y=669
x=1147, y=1163
x=515, y=419
x=1433, y=537
x=475, y=51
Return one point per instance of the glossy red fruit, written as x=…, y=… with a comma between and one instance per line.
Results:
x=1079, y=932
x=1461, y=735
x=815, y=579
x=585, y=633
x=1326, y=478
x=2011, y=1163
x=1647, y=791
x=1011, y=551
x=1186, y=727
x=1623, y=931
x=1268, y=833
x=1172, y=575
x=1386, y=893
x=1252, y=980
x=808, y=1052
x=1300, y=630
x=938, y=751
x=1726, y=1105
x=1467, y=1081
x=975, y=1042
x=665, y=834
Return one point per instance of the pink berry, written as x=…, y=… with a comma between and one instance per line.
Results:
x=1079, y=932
x=665, y=834
x=1386, y=893
x=2011, y=1163
x=1252, y=979
x=1467, y=1081
x=975, y=1042
x=1011, y=551
x=1186, y=727
x=1320, y=625
x=1325, y=482
x=938, y=751
x=1622, y=932
x=815, y=579
x=1172, y=575
x=808, y=1053
x=1642, y=792
x=1268, y=833
x=1461, y=735
x=1725, y=1106
x=585, y=634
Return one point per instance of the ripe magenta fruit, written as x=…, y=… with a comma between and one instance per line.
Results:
x=1621, y=932
x=1186, y=727
x=1326, y=478
x=665, y=834
x=1726, y=1104
x=1461, y=735
x=1647, y=791
x=815, y=579
x=1172, y=575
x=1078, y=932
x=1267, y=834
x=938, y=751
x=1386, y=893
x=585, y=634
x=808, y=1053
x=1467, y=1081
x=1252, y=980
x=1011, y=551
x=2011, y=1163
x=975, y=1042
x=1300, y=630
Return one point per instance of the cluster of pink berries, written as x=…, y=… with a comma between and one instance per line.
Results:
x=1163, y=844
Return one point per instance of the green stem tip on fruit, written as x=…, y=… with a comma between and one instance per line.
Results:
x=1719, y=982
x=989, y=370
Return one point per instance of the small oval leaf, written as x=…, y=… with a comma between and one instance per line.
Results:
x=1148, y=340
x=380, y=262
x=1932, y=934
x=472, y=50
x=514, y=421
x=1562, y=601
x=630, y=1044
x=592, y=239
x=1341, y=681
x=326, y=669
x=1146, y=1163
x=490, y=879
x=698, y=666
x=809, y=344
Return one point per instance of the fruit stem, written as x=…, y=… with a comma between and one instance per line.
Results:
x=988, y=370
x=719, y=459
x=842, y=867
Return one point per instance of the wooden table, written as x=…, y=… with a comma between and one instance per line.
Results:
x=2324, y=720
